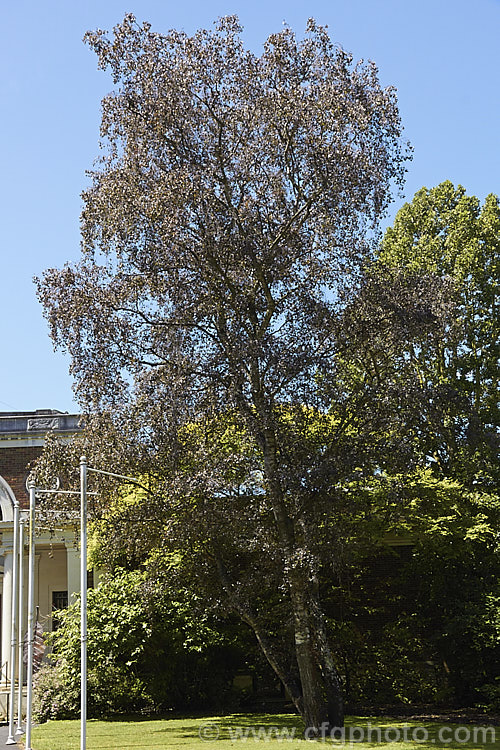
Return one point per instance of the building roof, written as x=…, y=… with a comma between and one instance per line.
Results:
x=34, y=425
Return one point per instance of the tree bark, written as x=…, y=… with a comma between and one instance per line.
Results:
x=333, y=685
x=315, y=713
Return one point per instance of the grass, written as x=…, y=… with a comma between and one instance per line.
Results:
x=237, y=730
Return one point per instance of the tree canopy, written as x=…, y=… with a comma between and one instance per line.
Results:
x=227, y=215
x=445, y=231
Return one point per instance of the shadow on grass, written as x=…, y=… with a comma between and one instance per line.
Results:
x=199, y=730
x=367, y=732
x=191, y=727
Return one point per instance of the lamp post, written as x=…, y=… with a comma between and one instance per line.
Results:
x=83, y=592
x=83, y=599
x=15, y=566
x=83, y=596
x=31, y=613
x=20, y=630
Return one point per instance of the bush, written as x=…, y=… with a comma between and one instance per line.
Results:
x=55, y=695
x=145, y=653
x=113, y=688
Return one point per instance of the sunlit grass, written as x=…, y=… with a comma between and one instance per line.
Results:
x=224, y=732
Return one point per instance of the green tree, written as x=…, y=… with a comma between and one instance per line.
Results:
x=225, y=230
x=453, y=515
x=446, y=232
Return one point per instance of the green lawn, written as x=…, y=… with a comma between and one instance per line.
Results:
x=224, y=732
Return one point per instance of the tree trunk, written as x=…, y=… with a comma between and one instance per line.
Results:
x=321, y=688
x=315, y=712
x=333, y=685
x=321, y=691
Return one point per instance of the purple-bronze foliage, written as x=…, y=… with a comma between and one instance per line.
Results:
x=226, y=343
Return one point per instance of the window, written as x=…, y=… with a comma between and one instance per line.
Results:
x=59, y=601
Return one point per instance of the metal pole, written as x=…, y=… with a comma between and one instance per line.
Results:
x=20, y=631
x=13, y=626
x=83, y=600
x=31, y=615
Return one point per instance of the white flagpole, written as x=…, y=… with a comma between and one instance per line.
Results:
x=83, y=600
x=20, y=630
x=31, y=615
x=13, y=634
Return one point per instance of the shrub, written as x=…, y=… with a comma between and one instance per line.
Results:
x=55, y=694
x=145, y=653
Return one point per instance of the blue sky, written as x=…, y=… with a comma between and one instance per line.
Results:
x=443, y=56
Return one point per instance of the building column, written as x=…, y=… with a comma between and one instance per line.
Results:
x=8, y=559
x=72, y=572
